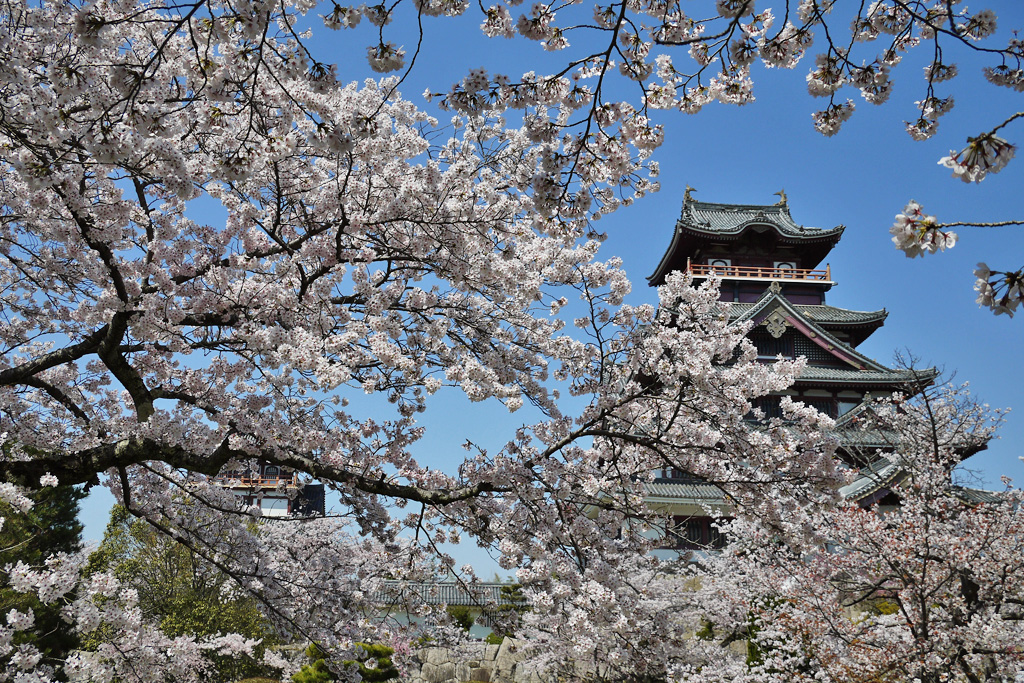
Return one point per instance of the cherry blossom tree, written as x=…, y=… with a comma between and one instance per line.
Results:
x=366, y=249
x=923, y=585
x=925, y=589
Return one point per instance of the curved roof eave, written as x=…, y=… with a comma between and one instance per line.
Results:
x=819, y=235
x=880, y=475
x=662, y=270
x=727, y=222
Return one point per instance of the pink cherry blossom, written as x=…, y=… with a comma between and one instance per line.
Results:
x=916, y=233
x=983, y=155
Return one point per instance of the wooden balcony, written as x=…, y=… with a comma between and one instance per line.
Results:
x=760, y=272
x=231, y=482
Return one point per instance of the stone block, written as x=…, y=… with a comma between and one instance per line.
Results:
x=479, y=674
x=508, y=656
x=440, y=673
x=435, y=655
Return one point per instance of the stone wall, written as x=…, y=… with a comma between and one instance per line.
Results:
x=471, y=662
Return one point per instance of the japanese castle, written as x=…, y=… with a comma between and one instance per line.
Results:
x=771, y=273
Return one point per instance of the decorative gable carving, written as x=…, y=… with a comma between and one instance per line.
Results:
x=776, y=324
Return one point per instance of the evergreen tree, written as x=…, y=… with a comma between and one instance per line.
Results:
x=50, y=526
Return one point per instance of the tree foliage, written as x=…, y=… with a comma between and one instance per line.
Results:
x=49, y=526
x=180, y=592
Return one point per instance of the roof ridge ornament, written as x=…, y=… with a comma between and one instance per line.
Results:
x=775, y=287
x=782, y=198
x=686, y=194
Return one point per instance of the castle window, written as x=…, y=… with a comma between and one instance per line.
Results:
x=770, y=347
x=721, y=266
x=695, y=533
x=785, y=265
x=678, y=475
x=771, y=406
x=822, y=405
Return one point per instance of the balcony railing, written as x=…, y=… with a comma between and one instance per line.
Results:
x=257, y=482
x=760, y=272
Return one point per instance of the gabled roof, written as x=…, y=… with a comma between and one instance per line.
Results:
x=859, y=369
x=826, y=315
x=702, y=223
x=859, y=325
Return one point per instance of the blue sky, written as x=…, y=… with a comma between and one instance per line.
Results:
x=860, y=178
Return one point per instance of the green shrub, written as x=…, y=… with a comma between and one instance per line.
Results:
x=462, y=616
x=884, y=607
x=316, y=671
x=383, y=669
x=374, y=662
x=706, y=631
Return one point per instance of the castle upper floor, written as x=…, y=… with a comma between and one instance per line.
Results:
x=748, y=246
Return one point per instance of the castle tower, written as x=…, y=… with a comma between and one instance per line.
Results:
x=770, y=271
x=275, y=490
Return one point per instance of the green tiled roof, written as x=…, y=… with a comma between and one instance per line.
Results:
x=854, y=440
x=728, y=219
x=873, y=372
x=697, y=493
x=823, y=315
x=884, y=474
x=854, y=376
x=704, y=223
x=871, y=479
x=977, y=495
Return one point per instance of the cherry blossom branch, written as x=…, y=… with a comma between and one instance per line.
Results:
x=20, y=373
x=84, y=465
x=974, y=224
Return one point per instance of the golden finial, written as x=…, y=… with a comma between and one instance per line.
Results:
x=782, y=197
x=686, y=194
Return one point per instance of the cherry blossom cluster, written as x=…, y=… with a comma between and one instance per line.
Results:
x=833, y=590
x=1002, y=292
x=594, y=614
x=916, y=233
x=686, y=58
x=983, y=155
x=132, y=649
